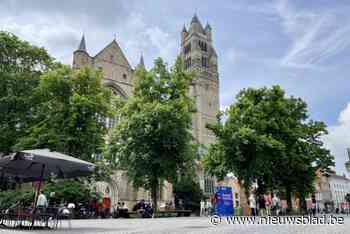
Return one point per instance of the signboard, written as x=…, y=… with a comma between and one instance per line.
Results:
x=224, y=202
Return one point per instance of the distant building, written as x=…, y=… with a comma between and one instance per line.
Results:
x=347, y=164
x=323, y=193
x=331, y=190
x=340, y=186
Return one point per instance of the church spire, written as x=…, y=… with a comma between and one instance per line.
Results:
x=141, y=63
x=82, y=45
x=195, y=19
x=184, y=29
x=196, y=25
x=207, y=27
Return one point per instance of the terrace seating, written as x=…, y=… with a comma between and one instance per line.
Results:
x=23, y=218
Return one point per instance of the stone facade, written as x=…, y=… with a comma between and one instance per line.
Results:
x=200, y=57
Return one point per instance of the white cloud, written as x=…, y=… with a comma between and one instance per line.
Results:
x=55, y=34
x=338, y=139
x=60, y=33
x=315, y=36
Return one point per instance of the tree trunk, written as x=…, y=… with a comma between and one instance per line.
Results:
x=289, y=199
x=302, y=203
x=154, y=196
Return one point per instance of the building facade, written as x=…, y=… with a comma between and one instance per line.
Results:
x=330, y=191
x=339, y=186
x=199, y=56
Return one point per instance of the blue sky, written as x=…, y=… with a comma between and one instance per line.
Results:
x=301, y=45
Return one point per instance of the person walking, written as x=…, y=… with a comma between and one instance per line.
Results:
x=202, y=211
x=262, y=205
x=275, y=205
x=209, y=208
x=252, y=204
x=42, y=203
x=268, y=203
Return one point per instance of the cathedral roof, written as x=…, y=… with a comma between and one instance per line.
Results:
x=114, y=47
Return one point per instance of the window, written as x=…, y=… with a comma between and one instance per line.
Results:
x=203, y=46
x=187, y=63
x=208, y=185
x=112, y=58
x=124, y=76
x=205, y=62
x=187, y=48
x=108, y=122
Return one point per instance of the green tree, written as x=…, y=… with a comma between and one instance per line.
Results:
x=10, y=198
x=347, y=198
x=269, y=138
x=21, y=65
x=72, y=105
x=152, y=141
x=68, y=191
x=187, y=189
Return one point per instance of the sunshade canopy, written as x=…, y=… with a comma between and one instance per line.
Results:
x=29, y=165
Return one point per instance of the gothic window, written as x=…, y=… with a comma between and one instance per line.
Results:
x=112, y=58
x=107, y=121
x=205, y=62
x=187, y=48
x=187, y=63
x=203, y=46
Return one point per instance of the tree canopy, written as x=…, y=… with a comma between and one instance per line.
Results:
x=72, y=105
x=268, y=137
x=152, y=141
x=21, y=65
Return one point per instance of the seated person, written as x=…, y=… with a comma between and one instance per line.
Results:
x=123, y=210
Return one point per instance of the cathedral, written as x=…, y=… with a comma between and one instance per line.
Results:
x=198, y=55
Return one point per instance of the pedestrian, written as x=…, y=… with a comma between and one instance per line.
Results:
x=262, y=205
x=268, y=203
x=71, y=207
x=252, y=204
x=202, y=208
x=275, y=205
x=42, y=203
x=214, y=202
x=209, y=208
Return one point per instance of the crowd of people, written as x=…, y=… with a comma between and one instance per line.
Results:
x=264, y=205
x=207, y=207
x=144, y=209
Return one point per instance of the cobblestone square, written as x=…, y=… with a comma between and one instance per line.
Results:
x=182, y=226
